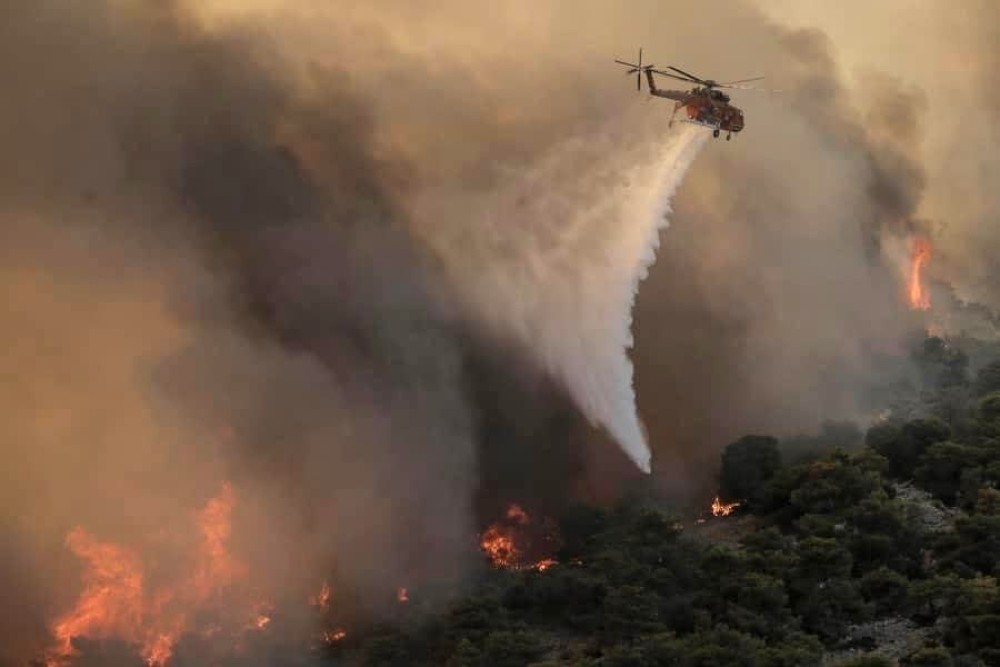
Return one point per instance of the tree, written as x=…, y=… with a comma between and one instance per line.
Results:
x=719, y=647
x=941, y=365
x=988, y=412
x=941, y=467
x=930, y=657
x=835, y=485
x=747, y=465
x=904, y=446
x=630, y=611
x=987, y=379
x=511, y=649
x=873, y=660
x=886, y=589
x=578, y=528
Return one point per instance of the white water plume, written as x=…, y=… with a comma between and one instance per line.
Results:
x=553, y=257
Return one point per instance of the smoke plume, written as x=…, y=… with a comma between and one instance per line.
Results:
x=373, y=265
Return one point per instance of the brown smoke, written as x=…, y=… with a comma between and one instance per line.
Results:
x=213, y=267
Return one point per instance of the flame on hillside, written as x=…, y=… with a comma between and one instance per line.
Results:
x=720, y=508
x=917, y=294
x=322, y=599
x=513, y=542
x=119, y=600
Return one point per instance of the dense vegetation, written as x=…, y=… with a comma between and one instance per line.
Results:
x=850, y=548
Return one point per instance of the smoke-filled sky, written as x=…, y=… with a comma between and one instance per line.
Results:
x=372, y=262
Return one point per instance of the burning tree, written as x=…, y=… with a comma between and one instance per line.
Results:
x=920, y=255
x=516, y=542
x=124, y=599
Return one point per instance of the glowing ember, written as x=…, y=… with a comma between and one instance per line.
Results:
x=117, y=603
x=720, y=508
x=322, y=599
x=517, y=515
x=543, y=565
x=334, y=636
x=262, y=622
x=402, y=595
x=920, y=255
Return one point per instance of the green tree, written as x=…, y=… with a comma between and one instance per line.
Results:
x=719, y=647
x=903, y=447
x=630, y=611
x=873, y=660
x=747, y=465
x=835, y=485
x=987, y=379
x=511, y=648
x=988, y=413
x=796, y=650
x=941, y=466
x=930, y=657
x=941, y=365
x=886, y=589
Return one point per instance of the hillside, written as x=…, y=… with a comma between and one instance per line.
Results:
x=878, y=549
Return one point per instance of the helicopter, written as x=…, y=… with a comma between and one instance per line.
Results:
x=705, y=104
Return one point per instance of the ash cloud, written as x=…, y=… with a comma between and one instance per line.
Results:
x=187, y=304
x=222, y=257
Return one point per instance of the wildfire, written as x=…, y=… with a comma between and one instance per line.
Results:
x=111, y=601
x=334, y=636
x=322, y=599
x=545, y=564
x=508, y=544
x=720, y=508
x=118, y=602
x=517, y=515
x=920, y=255
x=499, y=546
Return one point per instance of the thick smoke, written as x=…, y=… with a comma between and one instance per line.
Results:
x=186, y=305
x=303, y=247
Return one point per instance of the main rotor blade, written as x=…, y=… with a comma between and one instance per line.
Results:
x=759, y=90
x=690, y=76
x=728, y=83
x=622, y=62
x=674, y=76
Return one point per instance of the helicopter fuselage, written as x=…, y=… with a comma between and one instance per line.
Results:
x=706, y=107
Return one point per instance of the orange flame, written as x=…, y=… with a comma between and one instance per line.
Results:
x=322, y=599
x=517, y=515
x=720, y=508
x=499, y=546
x=111, y=601
x=545, y=564
x=920, y=255
x=508, y=544
x=117, y=603
x=334, y=636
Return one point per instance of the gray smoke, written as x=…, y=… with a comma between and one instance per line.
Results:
x=232, y=248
